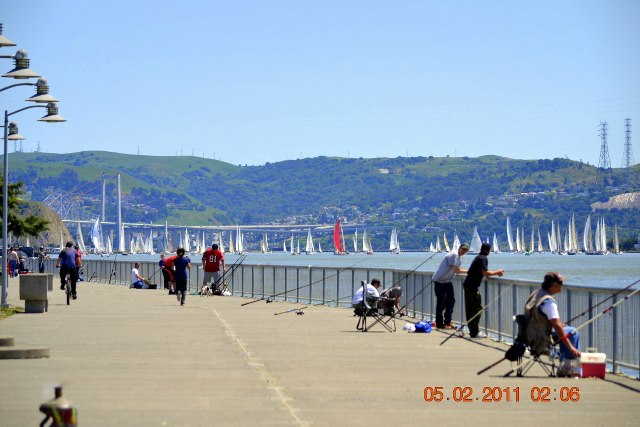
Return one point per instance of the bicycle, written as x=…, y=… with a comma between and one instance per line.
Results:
x=67, y=288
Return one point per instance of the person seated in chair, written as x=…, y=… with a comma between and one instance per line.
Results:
x=543, y=321
x=372, y=297
x=391, y=300
x=137, y=281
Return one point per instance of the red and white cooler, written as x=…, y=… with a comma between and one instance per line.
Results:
x=593, y=365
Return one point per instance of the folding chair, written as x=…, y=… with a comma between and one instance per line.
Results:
x=379, y=314
x=535, y=355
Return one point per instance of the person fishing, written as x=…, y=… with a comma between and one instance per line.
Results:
x=543, y=322
x=372, y=295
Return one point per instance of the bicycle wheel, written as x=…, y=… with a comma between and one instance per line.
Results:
x=68, y=291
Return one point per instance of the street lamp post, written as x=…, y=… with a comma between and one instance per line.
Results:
x=21, y=71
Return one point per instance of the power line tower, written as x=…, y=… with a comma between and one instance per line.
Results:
x=604, y=164
x=627, y=156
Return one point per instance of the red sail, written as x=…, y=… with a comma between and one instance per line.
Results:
x=336, y=237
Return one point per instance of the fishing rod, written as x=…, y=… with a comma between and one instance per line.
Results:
x=577, y=328
x=513, y=354
x=113, y=268
x=462, y=325
x=229, y=271
x=606, y=299
x=270, y=298
x=337, y=300
x=298, y=311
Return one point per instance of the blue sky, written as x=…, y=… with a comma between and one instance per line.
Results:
x=249, y=82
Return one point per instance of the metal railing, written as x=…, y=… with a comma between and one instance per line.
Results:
x=617, y=334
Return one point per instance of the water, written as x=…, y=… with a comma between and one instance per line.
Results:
x=601, y=271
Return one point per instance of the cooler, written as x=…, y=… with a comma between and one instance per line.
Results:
x=593, y=365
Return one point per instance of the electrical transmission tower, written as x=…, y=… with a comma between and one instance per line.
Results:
x=627, y=156
x=604, y=164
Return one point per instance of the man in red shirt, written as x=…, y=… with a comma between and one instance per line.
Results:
x=211, y=260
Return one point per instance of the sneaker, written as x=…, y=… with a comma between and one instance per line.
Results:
x=74, y=296
x=62, y=287
x=448, y=326
x=179, y=295
x=480, y=335
x=181, y=303
x=563, y=372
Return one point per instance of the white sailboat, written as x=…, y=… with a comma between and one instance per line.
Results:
x=319, y=248
x=239, y=241
x=79, y=239
x=518, y=245
x=456, y=242
x=232, y=248
x=366, y=243
x=438, y=245
x=540, y=247
x=220, y=242
x=616, y=243
x=394, y=245
x=309, y=247
x=355, y=242
x=445, y=242
x=293, y=252
x=476, y=242
x=284, y=245
x=264, y=244
x=96, y=237
x=509, y=238
x=495, y=247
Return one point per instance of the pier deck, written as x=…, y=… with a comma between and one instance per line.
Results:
x=136, y=358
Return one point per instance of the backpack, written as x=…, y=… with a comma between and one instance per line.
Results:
x=423, y=326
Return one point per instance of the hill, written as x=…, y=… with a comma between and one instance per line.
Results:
x=419, y=195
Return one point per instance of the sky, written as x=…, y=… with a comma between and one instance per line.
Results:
x=251, y=82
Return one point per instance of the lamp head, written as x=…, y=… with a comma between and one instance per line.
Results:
x=5, y=41
x=52, y=115
x=13, y=134
x=42, y=92
x=21, y=64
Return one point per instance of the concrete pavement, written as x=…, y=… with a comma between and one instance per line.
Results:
x=136, y=358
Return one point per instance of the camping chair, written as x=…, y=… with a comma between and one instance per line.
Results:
x=536, y=356
x=380, y=315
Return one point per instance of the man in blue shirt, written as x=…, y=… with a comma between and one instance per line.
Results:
x=68, y=260
x=182, y=266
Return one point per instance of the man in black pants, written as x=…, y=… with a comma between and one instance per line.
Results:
x=443, y=287
x=68, y=262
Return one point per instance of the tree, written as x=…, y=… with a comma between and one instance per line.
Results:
x=19, y=225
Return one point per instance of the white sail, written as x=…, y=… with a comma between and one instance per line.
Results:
x=366, y=243
x=495, y=246
x=298, y=249
x=239, y=241
x=603, y=237
x=319, y=248
x=96, y=237
x=393, y=241
x=540, y=247
x=284, y=245
x=431, y=247
x=309, y=248
x=586, y=235
x=79, y=239
x=616, y=243
x=232, y=248
x=518, y=245
x=476, y=242
x=438, y=245
x=509, y=238
x=532, y=246
x=220, y=242
x=109, y=247
x=456, y=242
x=355, y=242
x=150, y=242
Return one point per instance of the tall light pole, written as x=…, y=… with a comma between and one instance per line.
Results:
x=21, y=71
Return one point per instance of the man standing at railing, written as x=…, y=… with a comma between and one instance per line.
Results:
x=211, y=261
x=443, y=286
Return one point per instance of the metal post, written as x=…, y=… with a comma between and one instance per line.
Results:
x=337, y=288
x=324, y=286
x=614, y=350
x=5, y=211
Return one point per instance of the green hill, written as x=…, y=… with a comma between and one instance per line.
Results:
x=419, y=195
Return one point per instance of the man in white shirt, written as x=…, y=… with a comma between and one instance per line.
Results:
x=137, y=281
x=443, y=286
x=372, y=296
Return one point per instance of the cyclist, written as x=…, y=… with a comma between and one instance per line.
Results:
x=68, y=262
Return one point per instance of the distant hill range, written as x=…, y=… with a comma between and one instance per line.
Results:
x=418, y=195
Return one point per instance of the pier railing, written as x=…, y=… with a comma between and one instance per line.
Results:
x=617, y=333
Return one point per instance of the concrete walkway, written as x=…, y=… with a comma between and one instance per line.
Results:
x=136, y=358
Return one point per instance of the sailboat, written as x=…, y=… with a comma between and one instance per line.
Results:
x=540, y=247
x=445, y=242
x=264, y=244
x=239, y=241
x=220, y=243
x=495, y=246
x=79, y=239
x=518, y=245
x=456, y=242
x=338, y=239
x=476, y=242
x=394, y=245
x=366, y=243
x=355, y=242
x=509, y=238
x=96, y=237
x=293, y=252
x=319, y=248
x=616, y=243
x=284, y=245
x=438, y=245
x=309, y=248
x=232, y=248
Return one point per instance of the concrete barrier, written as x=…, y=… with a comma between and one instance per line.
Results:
x=33, y=290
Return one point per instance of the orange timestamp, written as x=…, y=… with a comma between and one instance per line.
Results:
x=466, y=394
